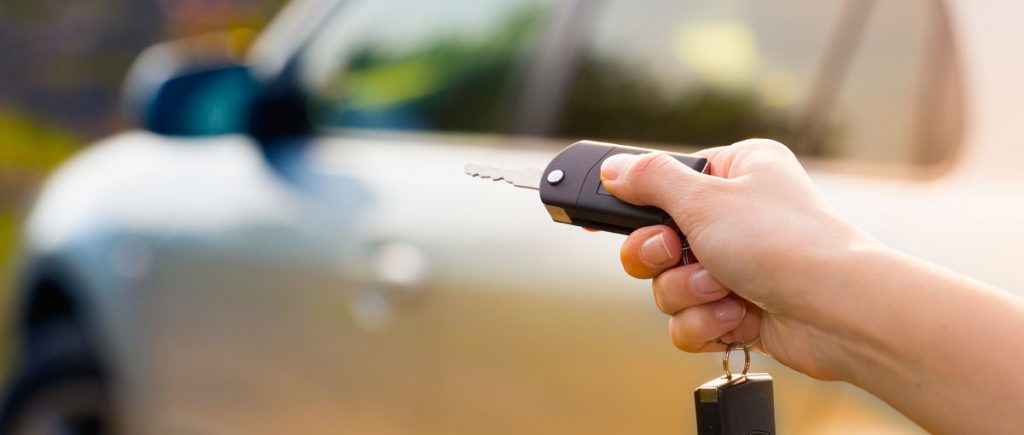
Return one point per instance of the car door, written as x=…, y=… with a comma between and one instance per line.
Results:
x=256, y=299
x=536, y=328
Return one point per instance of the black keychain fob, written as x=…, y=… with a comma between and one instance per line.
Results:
x=572, y=192
x=742, y=405
x=570, y=188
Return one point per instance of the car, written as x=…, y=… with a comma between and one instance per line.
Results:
x=288, y=241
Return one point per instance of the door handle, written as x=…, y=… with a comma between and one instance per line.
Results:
x=397, y=280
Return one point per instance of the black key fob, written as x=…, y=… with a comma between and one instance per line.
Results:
x=741, y=405
x=571, y=189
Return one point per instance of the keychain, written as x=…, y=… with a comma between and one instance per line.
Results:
x=736, y=404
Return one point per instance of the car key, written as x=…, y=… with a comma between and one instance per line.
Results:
x=570, y=188
x=736, y=404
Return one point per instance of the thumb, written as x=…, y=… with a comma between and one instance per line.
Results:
x=655, y=179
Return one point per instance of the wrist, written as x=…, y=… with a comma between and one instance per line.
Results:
x=829, y=292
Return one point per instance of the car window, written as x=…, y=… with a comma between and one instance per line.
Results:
x=446, y=65
x=838, y=79
x=841, y=79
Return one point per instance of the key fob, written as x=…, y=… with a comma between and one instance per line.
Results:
x=571, y=189
x=743, y=405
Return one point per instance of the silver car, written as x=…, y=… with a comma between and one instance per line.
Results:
x=288, y=243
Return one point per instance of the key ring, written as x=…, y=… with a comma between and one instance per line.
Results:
x=745, y=345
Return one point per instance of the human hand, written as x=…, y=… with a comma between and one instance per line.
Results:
x=757, y=225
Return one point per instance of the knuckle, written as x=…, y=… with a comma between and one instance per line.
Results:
x=652, y=164
x=768, y=146
x=659, y=297
x=755, y=155
x=765, y=144
x=682, y=336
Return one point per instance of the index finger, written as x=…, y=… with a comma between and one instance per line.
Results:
x=651, y=250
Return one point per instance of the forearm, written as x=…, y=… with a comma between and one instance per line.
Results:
x=942, y=349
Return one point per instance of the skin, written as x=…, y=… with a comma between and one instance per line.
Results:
x=828, y=300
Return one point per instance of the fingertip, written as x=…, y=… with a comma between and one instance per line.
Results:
x=650, y=250
x=633, y=266
x=614, y=166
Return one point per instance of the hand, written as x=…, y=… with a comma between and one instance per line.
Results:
x=826, y=299
x=756, y=225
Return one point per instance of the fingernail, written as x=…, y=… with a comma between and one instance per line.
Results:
x=703, y=283
x=729, y=309
x=654, y=251
x=614, y=165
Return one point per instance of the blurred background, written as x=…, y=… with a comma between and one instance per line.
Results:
x=61, y=77
x=228, y=216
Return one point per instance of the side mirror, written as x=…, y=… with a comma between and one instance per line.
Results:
x=192, y=87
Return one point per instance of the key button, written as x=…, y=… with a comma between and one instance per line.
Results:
x=556, y=176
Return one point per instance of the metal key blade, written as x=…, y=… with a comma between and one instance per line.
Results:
x=519, y=177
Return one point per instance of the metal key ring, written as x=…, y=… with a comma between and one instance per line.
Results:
x=745, y=345
x=725, y=359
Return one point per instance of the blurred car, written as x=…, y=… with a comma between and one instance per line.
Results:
x=288, y=243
